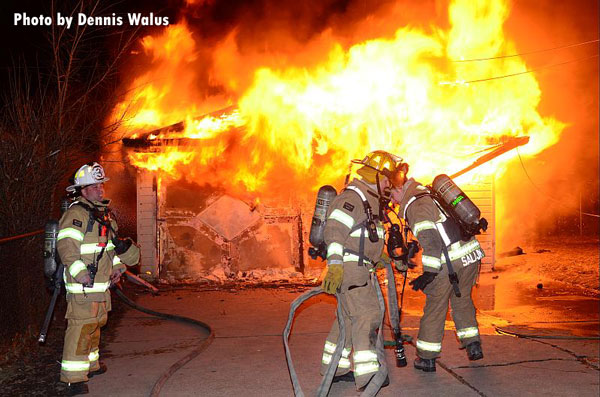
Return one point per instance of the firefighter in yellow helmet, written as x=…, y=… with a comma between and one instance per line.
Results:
x=355, y=237
x=94, y=259
x=437, y=233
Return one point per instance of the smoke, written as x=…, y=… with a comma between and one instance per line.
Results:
x=234, y=38
x=535, y=192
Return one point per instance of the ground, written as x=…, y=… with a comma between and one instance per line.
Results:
x=552, y=289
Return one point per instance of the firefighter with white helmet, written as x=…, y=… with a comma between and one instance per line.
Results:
x=94, y=259
x=451, y=260
x=355, y=237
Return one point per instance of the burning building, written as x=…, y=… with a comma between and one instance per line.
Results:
x=232, y=191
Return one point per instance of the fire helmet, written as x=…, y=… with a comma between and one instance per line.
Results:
x=86, y=175
x=382, y=162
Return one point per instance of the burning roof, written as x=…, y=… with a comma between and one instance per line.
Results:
x=297, y=104
x=403, y=93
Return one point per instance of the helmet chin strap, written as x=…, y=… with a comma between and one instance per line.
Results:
x=384, y=199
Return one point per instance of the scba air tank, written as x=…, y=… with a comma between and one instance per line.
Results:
x=458, y=204
x=50, y=237
x=317, y=227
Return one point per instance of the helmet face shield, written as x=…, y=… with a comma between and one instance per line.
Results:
x=391, y=166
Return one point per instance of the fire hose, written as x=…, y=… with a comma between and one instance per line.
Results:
x=394, y=315
x=156, y=389
x=7, y=239
x=532, y=336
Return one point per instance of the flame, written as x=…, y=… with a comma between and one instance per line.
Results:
x=300, y=125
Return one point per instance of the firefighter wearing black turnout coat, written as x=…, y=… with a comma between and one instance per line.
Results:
x=435, y=232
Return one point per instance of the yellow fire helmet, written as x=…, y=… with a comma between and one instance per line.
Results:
x=88, y=174
x=387, y=164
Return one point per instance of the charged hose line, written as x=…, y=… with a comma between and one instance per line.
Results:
x=377, y=380
x=532, y=336
x=7, y=239
x=582, y=359
x=541, y=360
x=188, y=357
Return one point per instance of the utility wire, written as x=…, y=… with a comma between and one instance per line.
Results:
x=527, y=71
x=540, y=190
x=527, y=53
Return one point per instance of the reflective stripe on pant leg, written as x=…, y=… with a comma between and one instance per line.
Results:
x=93, y=357
x=429, y=346
x=465, y=333
x=431, y=328
x=74, y=367
x=329, y=349
x=365, y=362
x=101, y=317
x=365, y=313
x=463, y=309
x=328, y=353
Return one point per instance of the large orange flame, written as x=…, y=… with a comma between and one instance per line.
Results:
x=406, y=94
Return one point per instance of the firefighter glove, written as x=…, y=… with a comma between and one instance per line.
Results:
x=380, y=264
x=401, y=266
x=333, y=279
x=83, y=278
x=115, y=276
x=121, y=245
x=422, y=281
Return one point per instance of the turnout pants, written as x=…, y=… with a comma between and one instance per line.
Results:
x=82, y=338
x=361, y=312
x=438, y=293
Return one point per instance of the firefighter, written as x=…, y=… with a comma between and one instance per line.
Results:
x=434, y=232
x=349, y=266
x=94, y=259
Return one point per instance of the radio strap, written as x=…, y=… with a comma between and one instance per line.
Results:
x=451, y=273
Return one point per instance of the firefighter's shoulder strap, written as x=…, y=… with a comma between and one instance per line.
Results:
x=94, y=217
x=90, y=211
x=443, y=235
x=415, y=198
x=362, y=226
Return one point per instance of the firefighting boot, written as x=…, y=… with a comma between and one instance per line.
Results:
x=385, y=383
x=425, y=364
x=103, y=368
x=347, y=377
x=74, y=389
x=474, y=351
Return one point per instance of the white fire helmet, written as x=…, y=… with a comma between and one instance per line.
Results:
x=88, y=174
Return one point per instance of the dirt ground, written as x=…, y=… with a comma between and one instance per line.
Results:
x=573, y=262
x=27, y=368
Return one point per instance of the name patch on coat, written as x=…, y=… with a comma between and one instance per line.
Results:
x=77, y=223
x=348, y=206
x=473, y=257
